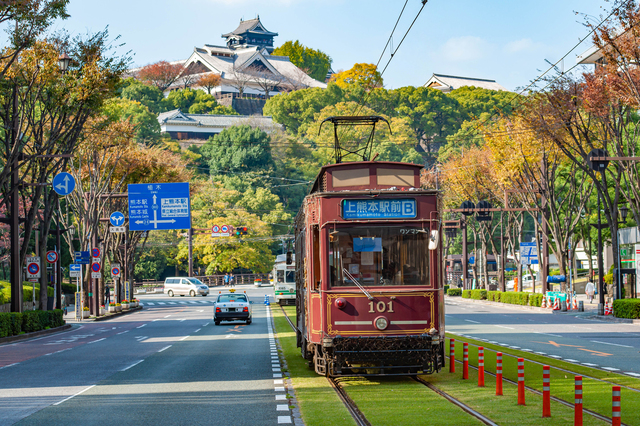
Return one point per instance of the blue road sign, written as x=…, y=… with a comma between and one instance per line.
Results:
x=64, y=183
x=75, y=267
x=83, y=257
x=154, y=206
x=528, y=254
x=116, y=219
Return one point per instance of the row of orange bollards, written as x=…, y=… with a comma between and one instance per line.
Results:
x=546, y=383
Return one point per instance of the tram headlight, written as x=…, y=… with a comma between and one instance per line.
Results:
x=381, y=323
x=340, y=303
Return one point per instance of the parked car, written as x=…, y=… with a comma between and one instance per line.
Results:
x=232, y=306
x=182, y=286
x=527, y=281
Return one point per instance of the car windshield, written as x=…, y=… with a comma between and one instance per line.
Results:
x=232, y=298
x=195, y=281
x=376, y=256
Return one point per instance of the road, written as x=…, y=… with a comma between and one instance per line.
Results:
x=606, y=345
x=167, y=364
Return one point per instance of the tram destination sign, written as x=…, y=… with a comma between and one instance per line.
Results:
x=396, y=208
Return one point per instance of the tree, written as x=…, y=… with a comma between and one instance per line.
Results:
x=147, y=95
x=265, y=79
x=210, y=81
x=366, y=75
x=238, y=149
x=144, y=121
x=315, y=62
x=240, y=80
x=160, y=74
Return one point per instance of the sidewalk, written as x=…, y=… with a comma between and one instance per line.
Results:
x=71, y=314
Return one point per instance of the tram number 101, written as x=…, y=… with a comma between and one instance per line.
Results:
x=381, y=307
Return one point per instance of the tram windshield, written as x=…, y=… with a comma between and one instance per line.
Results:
x=379, y=256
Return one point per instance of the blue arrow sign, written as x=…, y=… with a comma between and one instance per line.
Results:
x=528, y=254
x=64, y=183
x=116, y=219
x=75, y=267
x=154, y=206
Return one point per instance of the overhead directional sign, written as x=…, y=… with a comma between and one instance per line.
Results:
x=116, y=219
x=52, y=256
x=159, y=206
x=64, y=183
x=528, y=254
x=75, y=270
x=82, y=257
x=33, y=267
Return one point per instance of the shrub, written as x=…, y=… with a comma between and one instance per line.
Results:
x=626, y=308
x=494, y=296
x=514, y=297
x=466, y=294
x=446, y=288
x=454, y=292
x=535, y=299
x=14, y=323
x=479, y=294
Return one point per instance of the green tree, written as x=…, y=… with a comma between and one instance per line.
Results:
x=314, y=62
x=238, y=149
x=475, y=101
x=145, y=122
x=147, y=95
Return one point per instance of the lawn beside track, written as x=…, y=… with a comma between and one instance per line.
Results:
x=318, y=403
x=596, y=394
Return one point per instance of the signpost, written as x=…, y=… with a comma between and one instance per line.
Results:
x=75, y=270
x=33, y=267
x=78, y=301
x=82, y=257
x=159, y=206
x=52, y=256
x=528, y=253
x=64, y=183
x=116, y=219
x=95, y=252
x=115, y=270
x=221, y=231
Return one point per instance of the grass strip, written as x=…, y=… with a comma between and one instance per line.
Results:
x=318, y=402
x=596, y=394
x=400, y=401
x=504, y=410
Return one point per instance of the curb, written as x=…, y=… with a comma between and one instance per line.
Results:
x=489, y=303
x=117, y=314
x=25, y=336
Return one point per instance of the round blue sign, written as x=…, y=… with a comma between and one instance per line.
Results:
x=95, y=252
x=95, y=267
x=116, y=219
x=33, y=268
x=64, y=183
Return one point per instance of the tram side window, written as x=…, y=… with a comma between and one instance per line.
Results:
x=379, y=256
x=280, y=276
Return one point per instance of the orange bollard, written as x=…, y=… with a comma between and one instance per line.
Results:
x=546, y=391
x=578, y=403
x=452, y=355
x=480, y=366
x=465, y=360
x=521, y=382
x=616, y=419
x=499, y=374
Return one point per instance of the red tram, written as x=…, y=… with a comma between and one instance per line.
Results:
x=368, y=272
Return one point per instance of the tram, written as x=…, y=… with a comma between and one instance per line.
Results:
x=369, y=273
x=284, y=284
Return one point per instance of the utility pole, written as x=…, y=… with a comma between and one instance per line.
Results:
x=465, y=255
x=190, y=237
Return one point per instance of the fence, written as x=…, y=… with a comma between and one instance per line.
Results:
x=210, y=280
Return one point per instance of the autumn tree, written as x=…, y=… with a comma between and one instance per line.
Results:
x=160, y=74
x=210, y=81
x=314, y=62
x=366, y=75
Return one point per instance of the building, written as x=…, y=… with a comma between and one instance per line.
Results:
x=246, y=65
x=447, y=83
x=197, y=128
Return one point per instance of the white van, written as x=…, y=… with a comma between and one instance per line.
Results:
x=183, y=285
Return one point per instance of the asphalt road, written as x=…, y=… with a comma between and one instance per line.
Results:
x=167, y=364
x=606, y=345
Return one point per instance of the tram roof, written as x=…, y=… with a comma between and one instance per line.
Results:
x=356, y=165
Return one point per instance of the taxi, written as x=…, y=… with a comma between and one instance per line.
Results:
x=232, y=306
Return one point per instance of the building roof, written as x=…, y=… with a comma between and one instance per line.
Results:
x=252, y=25
x=447, y=83
x=591, y=56
x=209, y=120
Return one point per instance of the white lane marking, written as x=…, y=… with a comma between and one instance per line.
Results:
x=571, y=360
x=197, y=330
x=228, y=336
x=205, y=324
x=193, y=303
x=281, y=397
x=555, y=356
x=475, y=322
x=514, y=347
x=183, y=319
x=165, y=348
x=132, y=365
x=200, y=310
x=150, y=303
x=161, y=303
x=540, y=353
x=66, y=399
x=632, y=374
x=502, y=326
x=10, y=365
x=142, y=326
x=185, y=337
x=93, y=341
x=157, y=319
x=172, y=303
x=284, y=420
x=167, y=316
x=276, y=375
x=547, y=334
x=610, y=369
x=183, y=303
x=526, y=350
x=122, y=332
x=282, y=407
x=588, y=364
x=48, y=354
x=278, y=382
x=611, y=344
x=279, y=389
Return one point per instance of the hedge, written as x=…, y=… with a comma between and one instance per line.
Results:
x=446, y=288
x=494, y=296
x=479, y=294
x=515, y=297
x=511, y=297
x=626, y=308
x=454, y=292
x=14, y=323
x=466, y=294
x=535, y=299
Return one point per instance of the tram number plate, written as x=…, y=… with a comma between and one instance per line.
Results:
x=410, y=231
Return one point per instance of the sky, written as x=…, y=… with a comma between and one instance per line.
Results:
x=504, y=40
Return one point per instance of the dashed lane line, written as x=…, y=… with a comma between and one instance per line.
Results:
x=546, y=334
x=66, y=399
x=94, y=341
x=475, y=322
x=165, y=348
x=132, y=365
x=197, y=330
x=185, y=337
x=143, y=325
x=611, y=344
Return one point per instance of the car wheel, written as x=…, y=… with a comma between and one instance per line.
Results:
x=248, y=321
x=192, y=293
x=170, y=293
x=204, y=295
x=216, y=322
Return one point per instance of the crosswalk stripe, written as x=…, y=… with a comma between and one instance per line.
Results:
x=150, y=303
x=161, y=303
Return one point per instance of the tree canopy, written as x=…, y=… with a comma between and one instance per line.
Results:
x=314, y=62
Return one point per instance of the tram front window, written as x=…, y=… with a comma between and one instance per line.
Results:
x=379, y=256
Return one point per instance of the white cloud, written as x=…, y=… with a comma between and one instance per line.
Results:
x=466, y=48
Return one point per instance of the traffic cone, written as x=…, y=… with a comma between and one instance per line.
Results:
x=549, y=304
x=544, y=302
x=607, y=309
x=574, y=303
x=568, y=305
x=556, y=304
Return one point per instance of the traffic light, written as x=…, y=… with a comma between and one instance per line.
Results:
x=241, y=231
x=244, y=230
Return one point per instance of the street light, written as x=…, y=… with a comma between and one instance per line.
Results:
x=599, y=166
x=63, y=62
x=624, y=211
